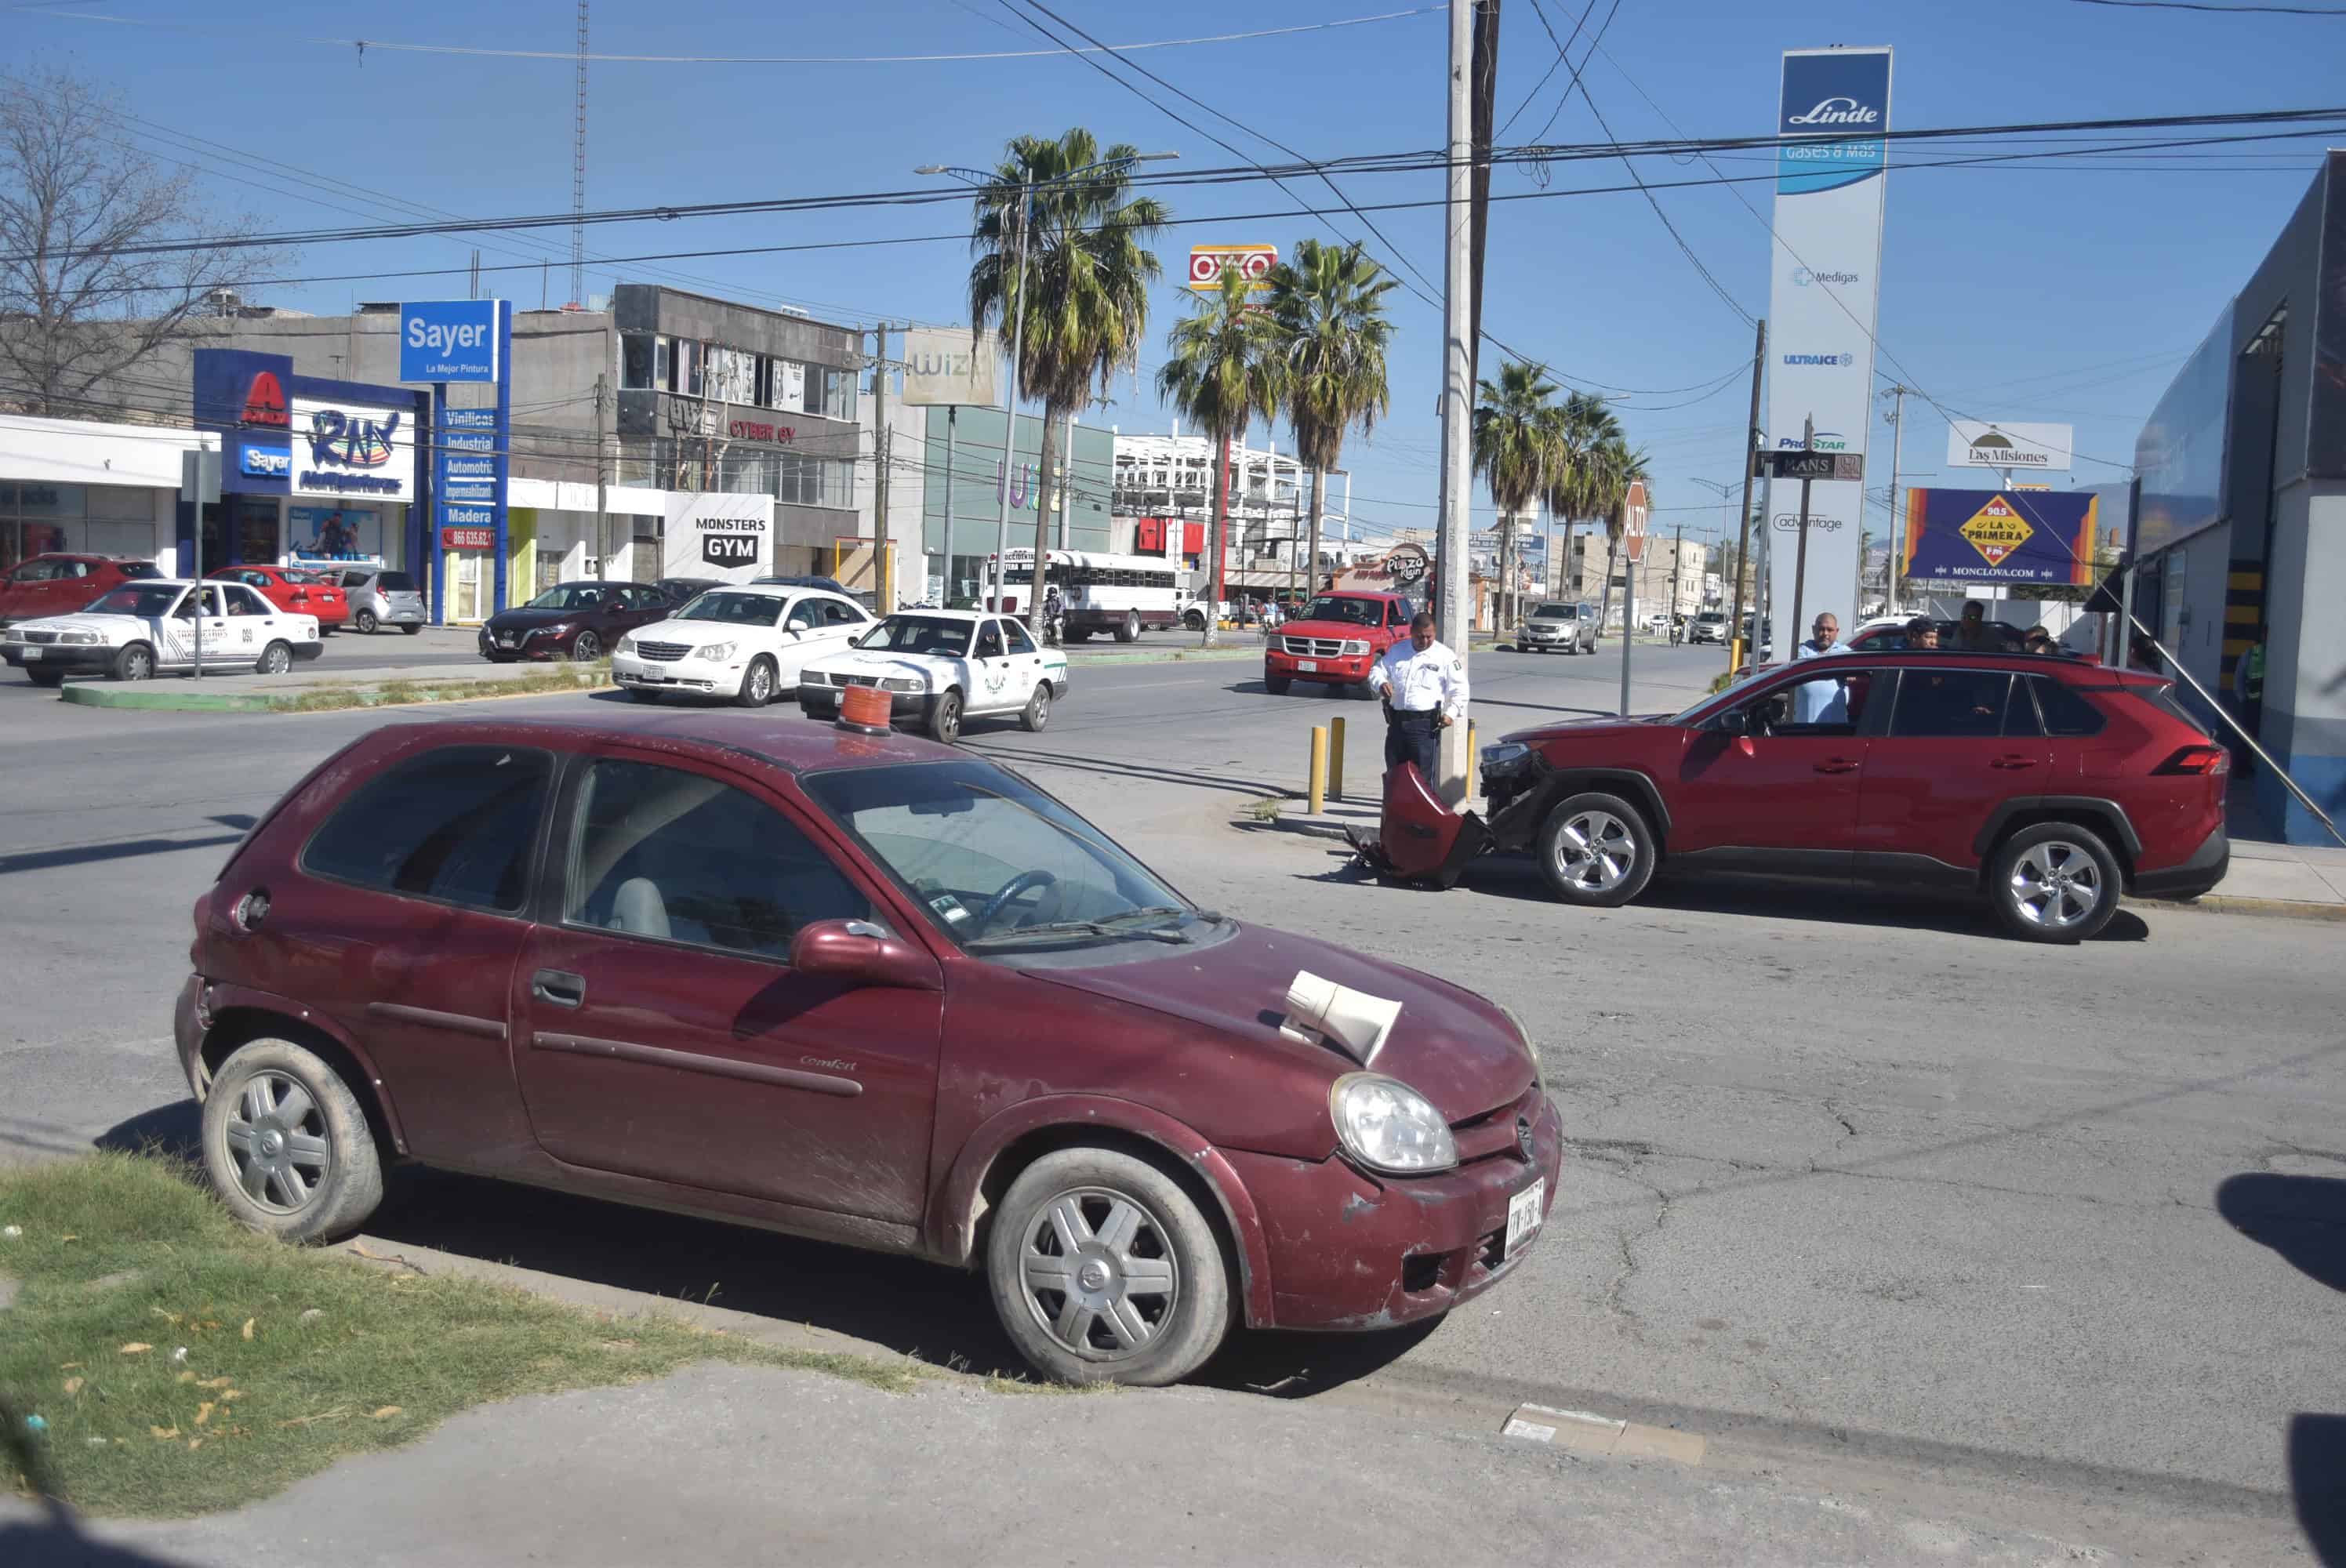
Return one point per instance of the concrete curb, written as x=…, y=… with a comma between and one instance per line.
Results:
x=1171, y=656
x=290, y=702
x=167, y=701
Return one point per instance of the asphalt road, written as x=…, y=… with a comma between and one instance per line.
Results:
x=1857, y=1188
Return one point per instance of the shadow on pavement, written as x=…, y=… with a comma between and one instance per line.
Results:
x=89, y=854
x=173, y=1131
x=2317, y=1483
x=55, y=1541
x=2303, y=1219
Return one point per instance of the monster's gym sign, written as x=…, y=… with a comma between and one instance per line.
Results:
x=732, y=541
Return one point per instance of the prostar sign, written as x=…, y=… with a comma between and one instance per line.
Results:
x=1995, y=531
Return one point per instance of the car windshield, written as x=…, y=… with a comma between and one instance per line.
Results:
x=144, y=602
x=568, y=596
x=396, y=583
x=1351, y=612
x=734, y=609
x=1552, y=612
x=1711, y=617
x=998, y=864
x=140, y=569
x=936, y=635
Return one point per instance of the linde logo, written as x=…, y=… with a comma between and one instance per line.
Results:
x=1802, y=277
x=1843, y=111
x=1820, y=359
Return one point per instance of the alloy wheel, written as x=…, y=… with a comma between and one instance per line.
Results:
x=2056, y=885
x=278, y=1141
x=1596, y=851
x=587, y=648
x=1097, y=1271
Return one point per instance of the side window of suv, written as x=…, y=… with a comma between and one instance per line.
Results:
x=2066, y=713
x=675, y=856
x=456, y=824
x=1955, y=703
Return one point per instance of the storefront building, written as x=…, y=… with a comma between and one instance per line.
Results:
x=80, y=487
x=2240, y=512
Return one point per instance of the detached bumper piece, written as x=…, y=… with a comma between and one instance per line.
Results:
x=1419, y=839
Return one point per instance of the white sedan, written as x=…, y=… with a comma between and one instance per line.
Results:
x=940, y=666
x=745, y=642
x=156, y=624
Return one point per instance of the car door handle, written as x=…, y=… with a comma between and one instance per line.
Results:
x=2013, y=762
x=1837, y=765
x=561, y=989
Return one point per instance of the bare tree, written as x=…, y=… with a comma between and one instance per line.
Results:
x=83, y=297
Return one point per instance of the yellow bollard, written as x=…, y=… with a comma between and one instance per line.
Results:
x=1335, y=759
x=1316, y=786
x=1473, y=763
x=1735, y=653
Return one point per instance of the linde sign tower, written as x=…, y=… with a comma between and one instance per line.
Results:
x=1830, y=173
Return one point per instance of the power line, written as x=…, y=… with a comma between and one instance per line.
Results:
x=2218, y=10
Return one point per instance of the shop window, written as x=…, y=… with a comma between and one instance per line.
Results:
x=256, y=531
x=637, y=358
x=790, y=386
x=663, y=364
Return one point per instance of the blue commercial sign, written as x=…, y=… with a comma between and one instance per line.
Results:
x=450, y=341
x=470, y=460
x=1837, y=104
x=265, y=463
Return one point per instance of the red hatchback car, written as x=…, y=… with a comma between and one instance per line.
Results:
x=2048, y=784
x=59, y=584
x=295, y=590
x=1334, y=641
x=858, y=987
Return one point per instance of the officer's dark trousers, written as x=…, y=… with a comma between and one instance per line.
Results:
x=1414, y=738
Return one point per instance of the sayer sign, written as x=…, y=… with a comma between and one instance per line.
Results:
x=449, y=340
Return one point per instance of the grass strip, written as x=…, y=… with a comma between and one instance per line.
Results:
x=180, y=1364
x=551, y=679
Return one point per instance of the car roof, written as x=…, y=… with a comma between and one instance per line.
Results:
x=969, y=616
x=794, y=743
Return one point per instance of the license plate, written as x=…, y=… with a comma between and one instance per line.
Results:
x=1524, y=1213
x=504, y=642
x=1309, y=667
x=30, y=654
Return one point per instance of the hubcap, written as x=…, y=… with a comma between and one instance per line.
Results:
x=1595, y=851
x=2056, y=884
x=277, y=1144
x=761, y=683
x=1096, y=1271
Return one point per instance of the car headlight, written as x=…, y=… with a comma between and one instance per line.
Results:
x=557, y=629
x=12, y=636
x=716, y=651
x=627, y=643
x=1389, y=1127
x=1354, y=648
x=85, y=638
x=813, y=678
x=904, y=683
x=1504, y=755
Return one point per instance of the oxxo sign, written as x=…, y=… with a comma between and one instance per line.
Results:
x=449, y=340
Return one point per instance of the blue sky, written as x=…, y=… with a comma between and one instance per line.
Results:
x=2011, y=293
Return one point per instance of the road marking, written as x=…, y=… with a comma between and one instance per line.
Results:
x=1585, y=1431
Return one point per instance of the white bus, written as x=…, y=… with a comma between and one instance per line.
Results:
x=1119, y=594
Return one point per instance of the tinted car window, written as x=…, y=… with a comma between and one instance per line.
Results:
x=2019, y=712
x=455, y=824
x=33, y=572
x=1020, y=643
x=138, y=569
x=1351, y=612
x=2065, y=712
x=920, y=634
x=840, y=613
x=662, y=853
x=394, y=583
x=1956, y=702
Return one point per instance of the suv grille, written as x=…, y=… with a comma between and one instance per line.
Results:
x=663, y=653
x=1313, y=647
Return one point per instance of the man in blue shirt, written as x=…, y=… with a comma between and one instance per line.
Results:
x=1821, y=701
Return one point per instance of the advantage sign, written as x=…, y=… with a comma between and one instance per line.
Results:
x=449, y=340
x=1255, y=261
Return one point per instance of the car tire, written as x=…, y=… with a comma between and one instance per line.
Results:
x=319, y=1174
x=50, y=678
x=1596, y=851
x=1194, y=622
x=944, y=716
x=1277, y=684
x=757, y=684
x=1037, y=714
x=364, y=623
x=1110, y=1333
x=410, y=630
x=275, y=659
x=1128, y=629
x=135, y=662
x=643, y=694
x=586, y=648
x=2036, y=875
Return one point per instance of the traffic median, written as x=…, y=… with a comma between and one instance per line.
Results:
x=315, y=693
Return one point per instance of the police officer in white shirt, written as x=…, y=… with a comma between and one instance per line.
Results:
x=1424, y=685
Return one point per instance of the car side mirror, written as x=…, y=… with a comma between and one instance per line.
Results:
x=1736, y=721
x=863, y=953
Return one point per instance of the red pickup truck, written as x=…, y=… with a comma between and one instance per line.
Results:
x=58, y=585
x=1335, y=640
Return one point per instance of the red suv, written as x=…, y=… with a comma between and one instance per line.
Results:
x=2047, y=784
x=59, y=584
x=860, y=987
x=1334, y=641
x=297, y=590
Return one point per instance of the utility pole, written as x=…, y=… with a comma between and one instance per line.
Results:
x=1678, y=575
x=1743, y=538
x=1897, y=504
x=578, y=171
x=884, y=583
x=602, y=498
x=952, y=414
x=1457, y=381
x=1015, y=303
x=1800, y=552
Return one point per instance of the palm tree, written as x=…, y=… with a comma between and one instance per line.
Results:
x=1085, y=283
x=1618, y=467
x=1584, y=423
x=1327, y=309
x=1221, y=369
x=1515, y=451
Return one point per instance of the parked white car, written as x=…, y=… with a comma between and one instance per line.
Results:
x=746, y=642
x=942, y=667
x=152, y=625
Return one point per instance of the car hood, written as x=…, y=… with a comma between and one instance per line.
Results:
x=860, y=662
x=82, y=621
x=1588, y=728
x=524, y=619
x=1330, y=629
x=695, y=633
x=1449, y=1045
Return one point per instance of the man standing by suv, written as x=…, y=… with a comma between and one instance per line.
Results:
x=1821, y=701
x=1424, y=685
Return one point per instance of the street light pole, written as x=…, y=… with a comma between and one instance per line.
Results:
x=1453, y=617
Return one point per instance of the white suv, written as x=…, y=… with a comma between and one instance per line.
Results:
x=744, y=642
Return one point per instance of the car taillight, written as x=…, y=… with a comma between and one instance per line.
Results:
x=2201, y=759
